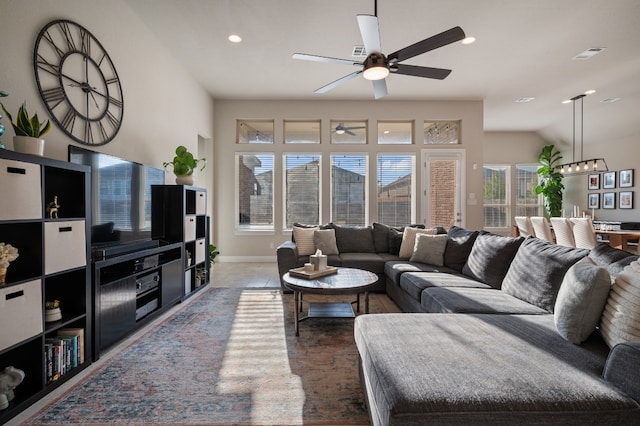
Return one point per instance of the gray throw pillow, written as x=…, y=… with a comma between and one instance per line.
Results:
x=459, y=245
x=581, y=300
x=381, y=237
x=537, y=271
x=491, y=257
x=325, y=241
x=354, y=239
x=429, y=249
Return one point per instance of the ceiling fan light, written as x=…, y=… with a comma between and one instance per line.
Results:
x=376, y=67
x=340, y=131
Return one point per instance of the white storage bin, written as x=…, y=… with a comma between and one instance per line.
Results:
x=190, y=227
x=64, y=245
x=20, y=312
x=201, y=202
x=201, y=250
x=187, y=282
x=21, y=191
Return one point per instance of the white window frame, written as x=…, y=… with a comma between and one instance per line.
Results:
x=412, y=189
x=284, y=185
x=507, y=202
x=252, y=229
x=364, y=154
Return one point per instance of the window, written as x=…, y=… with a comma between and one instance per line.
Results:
x=496, y=195
x=395, y=132
x=528, y=203
x=301, y=131
x=254, y=131
x=441, y=132
x=349, y=189
x=254, y=174
x=396, y=189
x=301, y=189
x=348, y=132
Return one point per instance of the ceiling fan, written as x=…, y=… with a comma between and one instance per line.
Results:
x=342, y=129
x=377, y=66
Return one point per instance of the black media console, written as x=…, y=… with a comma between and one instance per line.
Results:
x=132, y=288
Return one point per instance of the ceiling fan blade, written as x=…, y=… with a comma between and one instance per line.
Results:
x=447, y=37
x=338, y=82
x=427, y=72
x=349, y=132
x=316, y=58
x=370, y=33
x=380, y=88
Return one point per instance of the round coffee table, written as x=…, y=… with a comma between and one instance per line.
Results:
x=345, y=281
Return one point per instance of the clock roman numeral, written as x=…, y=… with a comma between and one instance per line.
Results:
x=103, y=132
x=69, y=120
x=115, y=102
x=113, y=120
x=48, y=37
x=53, y=96
x=112, y=80
x=85, y=42
x=88, y=133
x=44, y=65
x=66, y=33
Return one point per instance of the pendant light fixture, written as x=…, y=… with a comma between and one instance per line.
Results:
x=593, y=165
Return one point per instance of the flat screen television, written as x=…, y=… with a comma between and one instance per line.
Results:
x=120, y=198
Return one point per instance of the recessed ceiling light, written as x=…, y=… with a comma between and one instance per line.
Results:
x=234, y=38
x=524, y=99
x=468, y=40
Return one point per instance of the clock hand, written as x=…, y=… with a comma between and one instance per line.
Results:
x=94, y=99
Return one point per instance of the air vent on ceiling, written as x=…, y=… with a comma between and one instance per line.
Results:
x=359, y=51
x=525, y=99
x=610, y=100
x=583, y=56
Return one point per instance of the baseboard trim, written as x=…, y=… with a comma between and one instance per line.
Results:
x=250, y=259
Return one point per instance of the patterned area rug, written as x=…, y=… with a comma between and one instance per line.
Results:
x=228, y=357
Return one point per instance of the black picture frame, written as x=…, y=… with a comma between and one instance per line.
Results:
x=625, y=178
x=593, y=200
x=593, y=181
x=609, y=180
x=625, y=199
x=609, y=200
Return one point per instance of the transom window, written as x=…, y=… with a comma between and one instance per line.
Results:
x=301, y=131
x=395, y=132
x=441, y=132
x=254, y=131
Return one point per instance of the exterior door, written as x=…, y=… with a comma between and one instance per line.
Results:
x=443, y=182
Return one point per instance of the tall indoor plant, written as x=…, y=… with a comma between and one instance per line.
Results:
x=184, y=164
x=29, y=131
x=550, y=184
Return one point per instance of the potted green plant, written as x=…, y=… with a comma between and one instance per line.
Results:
x=29, y=131
x=550, y=185
x=184, y=164
x=213, y=252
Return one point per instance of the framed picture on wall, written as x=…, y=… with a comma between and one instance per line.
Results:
x=609, y=200
x=626, y=178
x=593, y=182
x=609, y=180
x=626, y=200
x=593, y=201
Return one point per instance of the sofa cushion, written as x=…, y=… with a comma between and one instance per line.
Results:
x=395, y=268
x=354, y=239
x=459, y=245
x=537, y=271
x=429, y=249
x=580, y=300
x=325, y=241
x=414, y=282
x=483, y=369
x=617, y=267
x=491, y=257
x=304, y=240
x=372, y=262
x=464, y=300
x=615, y=260
x=409, y=240
x=620, y=320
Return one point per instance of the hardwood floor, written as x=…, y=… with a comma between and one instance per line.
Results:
x=255, y=275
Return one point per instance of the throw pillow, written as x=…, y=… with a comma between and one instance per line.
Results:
x=537, y=271
x=409, y=240
x=459, y=245
x=395, y=241
x=325, y=240
x=354, y=239
x=381, y=237
x=620, y=320
x=581, y=300
x=491, y=257
x=429, y=249
x=304, y=240
x=603, y=254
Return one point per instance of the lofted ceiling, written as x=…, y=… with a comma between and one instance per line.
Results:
x=524, y=48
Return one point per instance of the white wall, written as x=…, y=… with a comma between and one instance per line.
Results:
x=163, y=106
x=228, y=111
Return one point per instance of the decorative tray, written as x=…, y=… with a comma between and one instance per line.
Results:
x=300, y=273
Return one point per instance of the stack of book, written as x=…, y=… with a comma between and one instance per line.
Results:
x=63, y=352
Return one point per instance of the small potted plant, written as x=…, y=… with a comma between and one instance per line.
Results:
x=29, y=131
x=8, y=254
x=213, y=252
x=184, y=164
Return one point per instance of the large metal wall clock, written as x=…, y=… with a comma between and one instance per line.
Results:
x=78, y=83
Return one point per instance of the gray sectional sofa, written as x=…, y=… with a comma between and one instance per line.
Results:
x=498, y=330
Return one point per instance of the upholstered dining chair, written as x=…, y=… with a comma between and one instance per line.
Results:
x=584, y=234
x=525, y=228
x=562, y=228
x=541, y=228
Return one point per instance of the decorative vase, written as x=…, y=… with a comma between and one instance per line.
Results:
x=28, y=145
x=185, y=179
x=3, y=274
x=51, y=315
